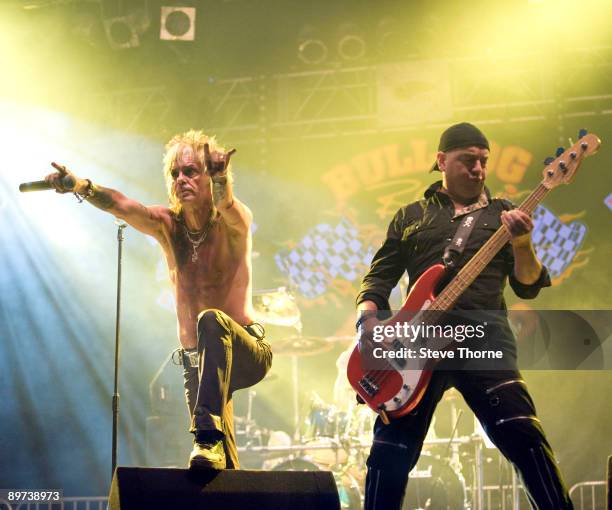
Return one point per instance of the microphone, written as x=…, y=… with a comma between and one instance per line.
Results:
x=67, y=182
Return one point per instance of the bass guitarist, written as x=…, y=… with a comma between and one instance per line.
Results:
x=416, y=239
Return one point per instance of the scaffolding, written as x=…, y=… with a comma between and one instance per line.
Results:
x=347, y=101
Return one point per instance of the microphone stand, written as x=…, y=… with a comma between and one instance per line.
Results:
x=121, y=226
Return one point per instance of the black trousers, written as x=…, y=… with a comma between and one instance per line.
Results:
x=501, y=402
x=229, y=357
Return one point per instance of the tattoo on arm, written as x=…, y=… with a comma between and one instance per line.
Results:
x=102, y=198
x=219, y=189
x=146, y=211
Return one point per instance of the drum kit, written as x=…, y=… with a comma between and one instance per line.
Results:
x=337, y=437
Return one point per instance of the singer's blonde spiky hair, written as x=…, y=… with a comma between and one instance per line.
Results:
x=195, y=139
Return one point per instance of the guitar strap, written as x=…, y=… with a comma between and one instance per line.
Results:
x=452, y=253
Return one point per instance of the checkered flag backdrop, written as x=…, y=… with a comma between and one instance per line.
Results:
x=325, y=253
x=556, y=243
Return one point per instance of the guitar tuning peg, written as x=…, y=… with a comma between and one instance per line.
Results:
x=548, y=160
x=582, y=132
x=560, y=151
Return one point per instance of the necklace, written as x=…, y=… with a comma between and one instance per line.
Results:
x=199, y=236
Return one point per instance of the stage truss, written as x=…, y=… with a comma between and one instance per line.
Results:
x=359, y=100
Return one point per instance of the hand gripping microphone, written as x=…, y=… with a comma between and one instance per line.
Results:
x=67, y=181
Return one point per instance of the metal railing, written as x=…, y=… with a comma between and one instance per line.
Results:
x=80, y=503
x=596, y=500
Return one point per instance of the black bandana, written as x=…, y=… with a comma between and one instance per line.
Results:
x=461, y=135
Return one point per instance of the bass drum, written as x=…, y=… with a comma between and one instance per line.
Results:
x=434, y=485
x=325, y=452
x=348, y=488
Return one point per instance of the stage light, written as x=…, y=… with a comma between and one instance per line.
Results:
x=120, y=33
x=392, y=43
x=177, y=23
x=311, y=48
x=124, y=26
x=387, y=32
x=351, y=42
x=87, y=26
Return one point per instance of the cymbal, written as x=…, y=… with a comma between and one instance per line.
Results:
x=341, y=338
x=301, y=345
x=276, y=307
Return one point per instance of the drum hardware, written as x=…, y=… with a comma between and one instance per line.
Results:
x=478, y=495
x=446, y=415
x=324, y=420
x=341, y=338
x=276, y=307
x=278, y=448
x=250, y=424
x=325, y=451
x=348, y=487
x=251, y=395
x=435, y=479
x=335, y=440
x=298, y=345
x=248, y=433
x=298, y=447
x=452, y=448
x=292, y=448
x=435, y=485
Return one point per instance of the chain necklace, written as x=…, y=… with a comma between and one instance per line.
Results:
x=200, y=236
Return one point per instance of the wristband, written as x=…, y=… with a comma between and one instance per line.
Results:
x=89, y=192
x=365, y=315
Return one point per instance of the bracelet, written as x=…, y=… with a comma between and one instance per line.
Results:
x=89, y=192
x=365, y=315
x=219, y=179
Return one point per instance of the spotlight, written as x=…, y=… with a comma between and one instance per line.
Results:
x=387, y=36
x=121, y=33
x=177, y=23
x=311, y=49
x=124, y=27
x=393, y=44
x=351, y=42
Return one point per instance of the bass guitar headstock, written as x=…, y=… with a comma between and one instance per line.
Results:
x=562, y=169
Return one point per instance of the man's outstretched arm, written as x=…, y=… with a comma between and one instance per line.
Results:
x=145, y=219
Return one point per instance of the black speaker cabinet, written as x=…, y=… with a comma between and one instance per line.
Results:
x=136, y=488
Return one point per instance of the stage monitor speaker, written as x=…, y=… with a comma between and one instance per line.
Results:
x=135, y=488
